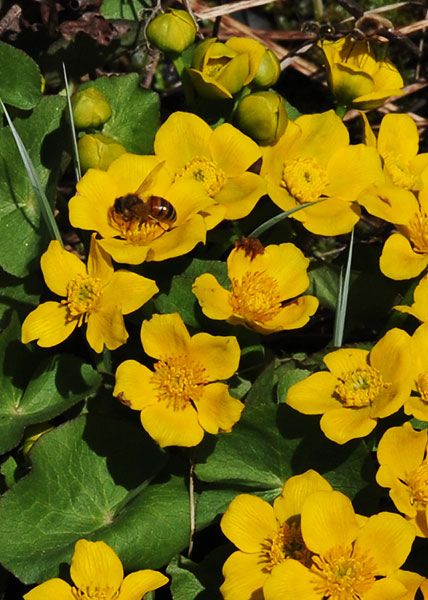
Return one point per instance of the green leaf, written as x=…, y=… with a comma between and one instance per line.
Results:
x=21, y=232
x=135, y=112
x=90, y=480
x=192, y=581
x=325, y=285
x=122, y=9
x=20, y=81
x=19, y=294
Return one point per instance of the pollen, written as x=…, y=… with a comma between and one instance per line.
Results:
x=255, y=297
x=95, y=593
x=417, y=482
x=305, y=179
x=343, y=574
x=205, y=171
x=179, y=381
x=287, y=543
x=398, y=169
x=83, y=295
x=360, y=388
x=418, y=232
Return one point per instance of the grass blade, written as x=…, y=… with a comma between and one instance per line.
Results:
x=342, y=300
x=274, y=220
x=45, y=207
x=76, y=159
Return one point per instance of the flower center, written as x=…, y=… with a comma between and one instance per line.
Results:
x=360, y=387
x=418, y=232
x=205, y=171
x=255, y=297
x=287, y=543
x=95, y=593
x=305, y=179
x=135, y=229
x=179, y=381
x=422, y=385
x=398, y=169
x=418, y=483
x=343, y=574
x=83, y=296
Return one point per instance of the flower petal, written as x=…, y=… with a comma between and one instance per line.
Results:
x=351, y=170
x=219, y=355
x=387, y=588
x=332, y=216
x=293, y=315
x=137, y=584
x=133, y=385
x=402, y=449
x=53, y=589
x=248, y=522
x=165, y=335
x=95, y=566
x=290, y=580
x=129, y=171
x=233, y=151
x=346, y=360
x=398, y=133
x=240, y=195
x=48, y=324
x=106, y=327
x=123, y=251
x=179, y=240
x=296, y=490
x=128, y=291
x=212, y=297
x=99, y=262
x=244, y=577
x=399, y=261
x=344, y=424
x=59, y=267
x=313, y=395
x=217, y=409
x=392, y=356
x=169, y=427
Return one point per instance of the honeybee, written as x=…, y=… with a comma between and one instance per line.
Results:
x=137, y=207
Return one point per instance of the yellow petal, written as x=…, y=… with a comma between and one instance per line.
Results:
x=391, y=399
x=295, y=491
x=128, y=291
x=331, y=216
x=328, y=520
x=313, y=395
x=352, y=169
x=165, y=335
x=290, y=580
x=392, y=356
x=136, y=585
x=293, y=315
x=178, y=240
x=322, y=135
x=188, y=197
x=402, y=449
x=419, y=308
x=54, y=589
x=416, y=407
x=240, y=195
x=233, y=151
x=123, y=251
x=169, y=427
x=387, y=588
x=217, y=409
x=346, y=360
x=288, y=266
x=344, y=424
x=388, y=538
x=60, y=267
x=244, y=577
x=106, y=327
x=129, y=171
x=253, y=48
x=133, y=385
x=212, y=297
x=369, y=137
x=399, y=261
x=398, y=134
x=411, y=582
x=389, y=202
x=99, y=262
x=248, y=522
x=95, y=567
x=219, y=355
x=48, y=324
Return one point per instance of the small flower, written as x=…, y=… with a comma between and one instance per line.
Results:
x=359, y=388
x=313, y=161
x=265, y=535
x=97, y=573
x=356, y=78
x=182, y=397
x=217, y=160
x=96, y=295
x=137, y=237
x=351, y=556
x=403, y=460
x=267, y=284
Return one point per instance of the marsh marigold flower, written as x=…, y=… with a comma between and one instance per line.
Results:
x=351, y=557
x=265, y=535
x=359, y=387
x=113, y=202
x=313, y=161
x=356, y=78
x=217, y=160
x=95, y=294
x=403, y=460
x=182, y=397
x=267, y=284
x=97, y=574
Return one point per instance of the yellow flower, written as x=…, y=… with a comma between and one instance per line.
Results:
x=356, y=78
x=359, y=388
x=417, y=404
x=182, y=397
x=403, y=460
x=96, y=295
x=265, y=535
x=135, y=236
x=352, y=556
x=97, y=573
x=221, y=70
x=267, y=284
x=313, y=161
x=217, y=160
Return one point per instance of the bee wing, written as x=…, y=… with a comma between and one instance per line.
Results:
x=148, y=181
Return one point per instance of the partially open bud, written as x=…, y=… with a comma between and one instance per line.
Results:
x=262, y=116
x=173, y=31
x=97, y=151
x=269, y=70
x=90, y=108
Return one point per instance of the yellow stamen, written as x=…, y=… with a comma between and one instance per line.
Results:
x=422, y=385
x=95, y=593
x=398, y=169
x=205, y=171
x=287, y=543
x=136, y=231
x=360, y=388
x=255, y=297
x=418, y=485
x=343, y=574
x=179, y=381
x=418, y=232
x=305, y=179
x=83, y=295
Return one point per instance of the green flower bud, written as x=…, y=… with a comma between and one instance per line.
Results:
x=173, y=31
x=269, y=70
x=97, y=151
x=90, y=108
x=262, y=116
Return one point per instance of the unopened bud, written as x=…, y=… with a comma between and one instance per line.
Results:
x=262, y=116
x=97, y=151
x=173, y=31
x=269, y=70
x=90, y=108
